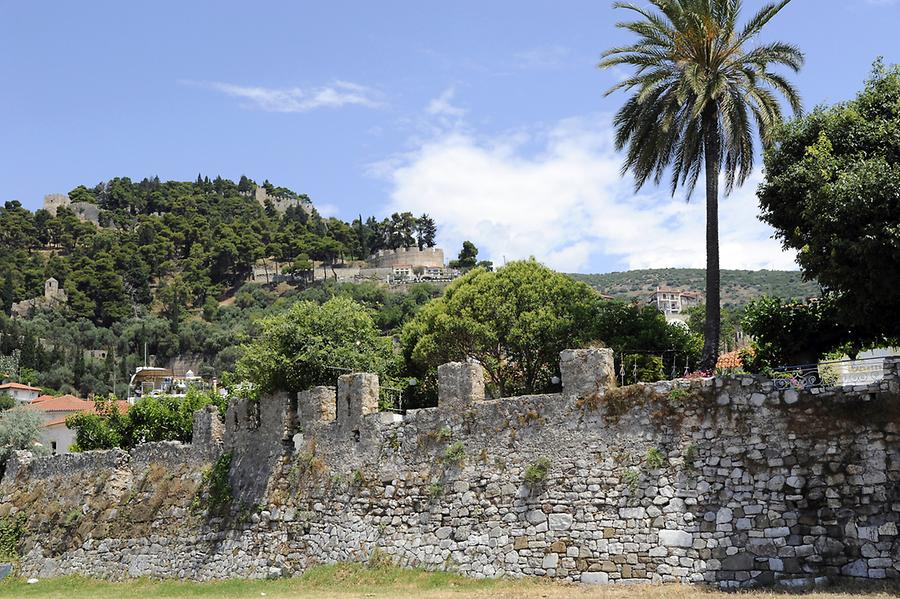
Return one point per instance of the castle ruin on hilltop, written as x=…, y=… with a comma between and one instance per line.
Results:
x=54, y=297
x=85, y=211
x=280, y=202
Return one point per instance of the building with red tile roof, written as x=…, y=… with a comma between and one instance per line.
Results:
x=55, y=409
x=19, y=392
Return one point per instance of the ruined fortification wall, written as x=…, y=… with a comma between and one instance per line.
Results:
x=729, y=481
x=432, y=257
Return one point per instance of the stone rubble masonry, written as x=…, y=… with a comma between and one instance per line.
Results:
x=317, y=404
x=459, y=385
x=357, y=396
x=587, y=372
x=748, y=485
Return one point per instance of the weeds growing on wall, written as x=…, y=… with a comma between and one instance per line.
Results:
x=655, y=458
x=306, y=465
x=216, y=486
x=690, y=456
x=12, y=529
x=435, y=491
x=536, y=474
x=631, y=479
x=455, y=453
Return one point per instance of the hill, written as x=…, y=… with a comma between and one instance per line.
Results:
x=160, y=268
x=738, y=286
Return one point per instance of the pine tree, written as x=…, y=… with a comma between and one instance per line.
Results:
x=6, y=300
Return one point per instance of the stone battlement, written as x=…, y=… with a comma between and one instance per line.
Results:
x=733, y=481
x=280, y=202
x=432, y=257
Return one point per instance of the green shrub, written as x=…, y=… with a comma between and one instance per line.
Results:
x=434, y=491
x=455, y=454
x=163, y=418
x=649, y=368
x=631, y=479
x=690, y=456
x=677, y=396
x=536, y=473
x=217, y=486
x=12, y=529
x=655, y=458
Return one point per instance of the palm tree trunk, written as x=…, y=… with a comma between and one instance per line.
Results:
x=712, y=152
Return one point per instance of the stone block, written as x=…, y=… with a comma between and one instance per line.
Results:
x=594, y=578
x=587, y=372
x=209, y=430
x=460, y=384
x=357, y=395
x=675, y=538
x=318, y=404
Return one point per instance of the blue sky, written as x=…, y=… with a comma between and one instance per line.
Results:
x=488, y=115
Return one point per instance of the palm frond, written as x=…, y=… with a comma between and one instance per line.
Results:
x=694, y=77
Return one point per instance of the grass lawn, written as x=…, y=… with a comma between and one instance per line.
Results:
x=348, y=580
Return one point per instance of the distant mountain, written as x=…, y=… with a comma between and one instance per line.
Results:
x=738, y=286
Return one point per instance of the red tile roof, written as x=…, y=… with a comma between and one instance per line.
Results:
x=19, y=387
x=69, y=403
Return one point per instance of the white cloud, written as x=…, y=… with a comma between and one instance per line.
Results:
x=295, y=99
x=566, y=203
x=442, y=106
x=543, y=57
x=326, y=209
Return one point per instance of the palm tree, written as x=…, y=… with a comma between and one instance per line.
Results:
x=699, y=94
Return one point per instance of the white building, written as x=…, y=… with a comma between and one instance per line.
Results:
x=674, y=301
x=19, y=392
x=55, y=435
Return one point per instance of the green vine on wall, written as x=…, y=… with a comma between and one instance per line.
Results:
x=216, y=486
x=12, y=529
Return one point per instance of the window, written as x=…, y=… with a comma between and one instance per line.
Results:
x=53, y=447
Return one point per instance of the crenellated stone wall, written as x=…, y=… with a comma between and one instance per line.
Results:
x=729, y=481
x=429, y=257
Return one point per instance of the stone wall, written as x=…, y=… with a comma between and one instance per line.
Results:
x=53, y=201
x=408, y=256
x=728, y=481
x=280, y=202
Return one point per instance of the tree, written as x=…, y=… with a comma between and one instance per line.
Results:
x=311, y=344
x=425, y=231
x=514, y=322
x=699, y=93
x=301, y=267
x=793, y=332
x=468, y=256
x=640, y=329
x=150, y=419
x=8, y=294
x=832, y=192
x=6, y=402
x=19, y=429
x=730, y=329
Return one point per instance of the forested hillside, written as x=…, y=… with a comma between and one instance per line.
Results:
x=738, y=286
x=165, y=267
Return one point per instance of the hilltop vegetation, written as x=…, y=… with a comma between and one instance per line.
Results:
x=738, y=286
x=164, y=273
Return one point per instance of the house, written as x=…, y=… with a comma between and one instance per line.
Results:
x=55, y=435
x=674, y=301
x=19, y=392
